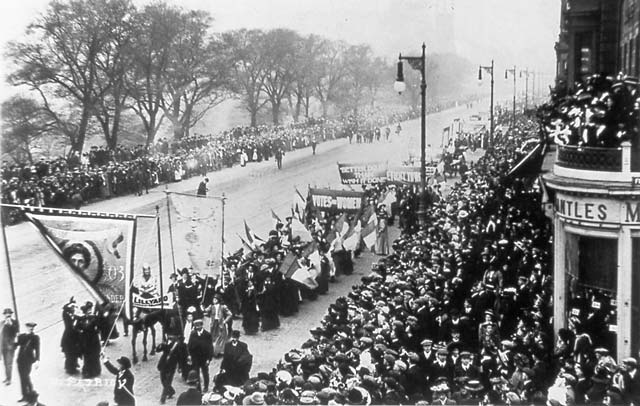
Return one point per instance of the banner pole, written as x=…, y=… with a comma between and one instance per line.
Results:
x=173, y=255
x=160, y=261
x=13, y=289
x=222, y=244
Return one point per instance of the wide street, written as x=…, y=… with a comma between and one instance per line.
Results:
x=43, y=284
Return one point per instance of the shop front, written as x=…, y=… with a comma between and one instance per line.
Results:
x=597, y=256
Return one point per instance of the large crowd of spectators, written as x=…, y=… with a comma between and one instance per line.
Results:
x=101, y=173
x=461, y=312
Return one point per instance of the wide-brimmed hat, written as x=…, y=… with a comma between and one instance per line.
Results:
x=7, y=311
x=256, y=398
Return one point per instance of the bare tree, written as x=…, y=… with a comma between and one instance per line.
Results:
x=279, y=48
x=156, y=28
x=331, y=71
x=24, y=123
x=198, y=74
x=60, y=58
x=249, y=68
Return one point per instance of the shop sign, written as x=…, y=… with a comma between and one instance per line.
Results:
x=597, y=210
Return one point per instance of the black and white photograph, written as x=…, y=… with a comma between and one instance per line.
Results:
x=320, y=202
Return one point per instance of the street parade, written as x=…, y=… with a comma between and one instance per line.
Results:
x=199, y=213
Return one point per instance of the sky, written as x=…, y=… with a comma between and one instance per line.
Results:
x=520, y=32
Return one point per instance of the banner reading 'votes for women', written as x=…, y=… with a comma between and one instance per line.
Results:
x=196, y=223
x=340, y=200
x=380, y=172
x=97, y=247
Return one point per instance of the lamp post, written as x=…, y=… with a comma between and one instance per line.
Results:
x=525, y=73
x=488, y=69
x=418, y=63
x=506, y=76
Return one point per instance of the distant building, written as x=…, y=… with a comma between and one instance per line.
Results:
x=596, y=36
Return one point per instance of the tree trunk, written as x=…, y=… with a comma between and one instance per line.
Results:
x=151, y=130
x=297, y=110
x=275, y=112
x=306, y=106
x=254, y=117
x=325, y=108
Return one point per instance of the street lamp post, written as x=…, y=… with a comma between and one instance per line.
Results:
x=488, y=69
x=526, y=73
x=418, y=63
x=506, y=76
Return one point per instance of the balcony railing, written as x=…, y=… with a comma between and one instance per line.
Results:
x=590, y=158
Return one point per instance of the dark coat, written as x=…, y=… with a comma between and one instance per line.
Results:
x=123, y=388
x=9, y=333
x=29, y=351
x=200, y=347
x=236, y=363
x=191, y=396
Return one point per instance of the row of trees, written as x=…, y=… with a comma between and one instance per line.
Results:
x=89, y=65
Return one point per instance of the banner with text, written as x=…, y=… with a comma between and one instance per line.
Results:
x=197, y=223
x=341, y=200
x=97, y=248
x=380, y=172
x=358, y=174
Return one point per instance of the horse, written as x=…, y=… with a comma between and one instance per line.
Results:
x=168, y=318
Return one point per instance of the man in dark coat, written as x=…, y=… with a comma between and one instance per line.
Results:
x=191, y=396
x=70, y=342
x=123, y=387
x=202, y=187
x=201, y=351
x=9, y=330
x=28, y=354
x=174, y=353
x=236, y=362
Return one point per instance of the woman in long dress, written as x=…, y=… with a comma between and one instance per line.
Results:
x=221, y=319
x=250, y=313
x=382, y=234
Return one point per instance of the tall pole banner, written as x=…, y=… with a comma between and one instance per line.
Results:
x=197, y=231
x=98, y=248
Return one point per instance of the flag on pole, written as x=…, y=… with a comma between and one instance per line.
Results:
x=252, y=237
x=299, y=230
x=96, y=247
x=275, y=218
x=292, y=269
x=197, y=231
x=299, y=204
x=341, y=226
x=352, y=239
x=388, y=200
x=369, y=231
x=246, y=248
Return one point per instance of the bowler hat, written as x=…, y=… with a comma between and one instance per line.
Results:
x=31, y=324
x=193, y=377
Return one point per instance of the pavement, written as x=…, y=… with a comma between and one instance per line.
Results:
x=43, y=284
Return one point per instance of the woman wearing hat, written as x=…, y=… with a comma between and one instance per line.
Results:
x=123, y=388
x=221, y=320
x=382, y=234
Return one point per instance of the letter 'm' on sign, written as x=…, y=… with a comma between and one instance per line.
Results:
x=633, y=213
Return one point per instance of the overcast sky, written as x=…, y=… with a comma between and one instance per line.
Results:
x=521, y=32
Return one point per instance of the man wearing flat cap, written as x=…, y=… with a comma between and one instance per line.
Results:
x=631, y=380
x=28, y=355
x=9, y=330
x=123, y=387
x=192, y=396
